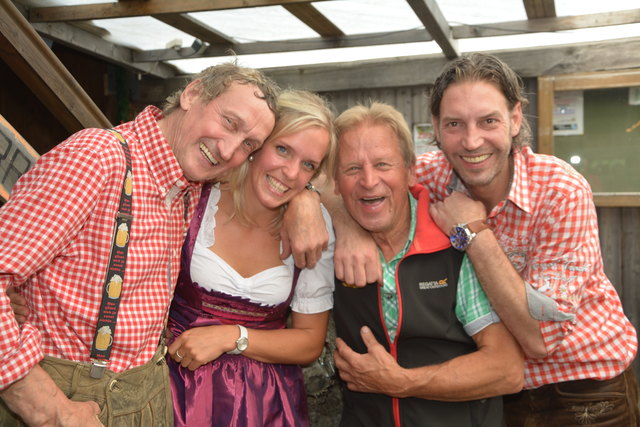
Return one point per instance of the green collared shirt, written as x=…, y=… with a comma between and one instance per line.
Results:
x=472, y=305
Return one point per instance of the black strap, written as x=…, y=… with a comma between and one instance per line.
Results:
x=114, y=280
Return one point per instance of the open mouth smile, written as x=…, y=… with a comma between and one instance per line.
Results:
x=204, y=150
x=277, y=185
x=371, y=200
x=475, y=159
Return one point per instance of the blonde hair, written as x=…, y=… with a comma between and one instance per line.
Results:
x=377, y=113
x=297, y=110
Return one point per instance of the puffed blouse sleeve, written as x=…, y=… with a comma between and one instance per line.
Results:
x=314, y=291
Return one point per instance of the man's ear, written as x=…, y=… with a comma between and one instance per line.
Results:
x=412, y=175
x=435, y=125
x=516, y=119
x=190, y=94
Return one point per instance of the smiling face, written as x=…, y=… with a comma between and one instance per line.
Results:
x=283, y=167
x=373, y=180
x=475, y=131
x=210, y=139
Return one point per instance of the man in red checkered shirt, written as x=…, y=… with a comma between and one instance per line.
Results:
x=55, y=243
x=528, y=223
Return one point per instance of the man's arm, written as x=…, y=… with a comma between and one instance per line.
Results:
x=356, y=260
x=496, y=368
x=501, y=282
x=304, y=233
x=39, y=401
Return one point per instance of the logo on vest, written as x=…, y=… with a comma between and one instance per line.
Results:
x=433, y=284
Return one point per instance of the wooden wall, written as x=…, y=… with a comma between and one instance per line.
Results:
x=620, y=243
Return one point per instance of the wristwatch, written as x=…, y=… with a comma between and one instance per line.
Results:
x=462, y=234
x=241, y=343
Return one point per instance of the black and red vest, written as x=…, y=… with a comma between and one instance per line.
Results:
x=428, y=332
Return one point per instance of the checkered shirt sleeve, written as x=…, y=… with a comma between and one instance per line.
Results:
x=48, y=206
x=473, y=309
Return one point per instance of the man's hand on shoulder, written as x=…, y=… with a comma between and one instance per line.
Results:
x=356, y=260
x=456, y=209
x=304, y=232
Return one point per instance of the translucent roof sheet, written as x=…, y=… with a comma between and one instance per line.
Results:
x=354, y=18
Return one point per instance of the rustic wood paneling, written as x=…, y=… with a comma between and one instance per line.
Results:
x=411, y=101
x=620, y=242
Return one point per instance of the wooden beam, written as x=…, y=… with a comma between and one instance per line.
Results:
x=194, y=27
x=563, y=23
x=434, y=22
x=144, y=7
x=314, y=19
x=32, y=60
x=421, y=70
x=213, y=50
x=540, y=8
x=79, y=39
x=410, y=36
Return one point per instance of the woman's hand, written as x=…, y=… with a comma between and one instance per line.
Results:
x=198, y=346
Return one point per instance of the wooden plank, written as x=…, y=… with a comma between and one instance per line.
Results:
x=422, y=70
x=314, y=19
x=143, y=7
x=561, y=23
x=435, y=23
x=630, y=265
x=404, y=104
x=32, y=60
x=378, y=39
x=540, y=8
x=545, y=114
x=339, y=101
x=420, y=106
x=83, y=41
x=609, y=225
x=598, y=80
x=194, y=27
x=617, y=199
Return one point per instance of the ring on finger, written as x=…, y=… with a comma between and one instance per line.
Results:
x=178, y=355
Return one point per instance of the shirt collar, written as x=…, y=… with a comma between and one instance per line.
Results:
x=519, y=192
x=163, y=165
x=412, y=231
x=519, y=188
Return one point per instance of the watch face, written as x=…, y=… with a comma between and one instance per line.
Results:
x=459, y=238
x=242, y=344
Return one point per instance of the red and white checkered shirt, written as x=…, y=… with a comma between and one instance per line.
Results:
x=548, y=228
x=55, y=240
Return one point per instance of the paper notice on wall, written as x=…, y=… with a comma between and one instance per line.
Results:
x=568, y=113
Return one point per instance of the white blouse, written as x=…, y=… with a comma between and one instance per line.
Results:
x=313, y=293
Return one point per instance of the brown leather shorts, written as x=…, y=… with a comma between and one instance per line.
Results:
x=138, y=397
x=609, y=403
